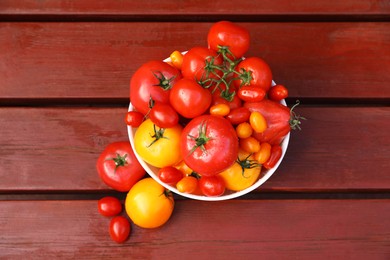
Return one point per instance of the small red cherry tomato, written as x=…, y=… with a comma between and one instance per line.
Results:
x=119, y=229
x=163, y=115
x=251, y=94
x=277, y=93
x=212, y=186
x=170, y=175
x=238, y=115
x=109, y=206
x=276, y=153
x=134, y=118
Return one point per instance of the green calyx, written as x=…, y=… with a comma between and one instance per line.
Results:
x=247, y=164
x=163, y=82
x=201, y=140
x=158, y=134
x=295, y=120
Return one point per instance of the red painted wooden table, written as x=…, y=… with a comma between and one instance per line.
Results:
x=64, y=74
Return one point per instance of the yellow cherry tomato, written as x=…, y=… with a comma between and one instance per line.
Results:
x=244, y=130
x=183, y=167
x=148, y=204
x=250, y=144
x=264, y=153
x=157, y=146
x=243, y=173
x=220, y=109
x=258, y=122
x=176, y=59
x=188, y=184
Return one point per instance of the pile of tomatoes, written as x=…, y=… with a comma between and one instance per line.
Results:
x=209, y=119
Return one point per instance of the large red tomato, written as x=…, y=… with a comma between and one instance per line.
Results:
x=189, y=98
x=209, y=144
x=199, y=64
x=118, y=167
x=255, y=72
x=153, y=80
x=226, y=34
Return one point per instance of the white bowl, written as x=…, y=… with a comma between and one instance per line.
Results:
x=264, y=175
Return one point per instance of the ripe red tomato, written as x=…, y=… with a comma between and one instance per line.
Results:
x=228, y=97
x=198, y=64
x=238, y=115
x=153, y=80
x=277, y=93
x=119, y=229
x=251, y=94
x=118, y=167
x=227, y=34
x=134, y=118
x=276, y=153
x=170, y=175
x=255, y=72
x=212, y=186
x=109, y=206
x=163, y=115
x=209, y=144
x=277, y=117
x=189, y=98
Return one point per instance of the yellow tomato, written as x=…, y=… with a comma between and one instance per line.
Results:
x=159, y=147
x=244, y=130
x=148, y=204
x=243, y=173
x=258, y=122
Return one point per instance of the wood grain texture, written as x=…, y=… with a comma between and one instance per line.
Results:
x=55, y=149
x=96, y=60
x=194, y=7
x=269, y=229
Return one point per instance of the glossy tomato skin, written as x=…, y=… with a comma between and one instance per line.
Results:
x=194, y=64
x=119, y=229
x=148, y=204
x=134, y=118
x=118, y=167
x=170, y=175
x=220, y=93
x=238, y=115
x=109, y=206
x=212, y=186
x=225, y=33
x=219, y=149
x=257, y=73
x=277, y=117
x=189, y=98
x=158, y=146
x=164, y=115
x=251, y=94
x=153, y=80
x=278, y=92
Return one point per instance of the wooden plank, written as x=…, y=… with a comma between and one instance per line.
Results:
x=193, y=7
x=269, y=229
x=80, y=60
x=55, y=149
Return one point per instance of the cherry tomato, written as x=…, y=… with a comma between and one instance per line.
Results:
x=118, y=167
x=199, y=65
x=157, y=146
x=220, y=109
x=244, y=130
x=170, y=175
x=243, y=173
x=254, y=72
x=109, y=206
x=251, y=94
x=119, y=229
x=238, y=115
x=226, y=34
x=250, y=144
x=223, y=96
x=153, y=80
x=257, y=122
x=190, y=99
x=209, y=144
x=264, y=153
x=212, y=186
x=276, y=153
x=176, y=59
x=148, y=204
x=188, y=184
x=163, y=115
x=277, y=93
x=134, y=118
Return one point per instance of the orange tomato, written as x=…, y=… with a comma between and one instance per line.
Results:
x=258, y=122
x=220, y=109
x=176, y=59
x=244, y=130
x=264, y=153
x=250, y=145
x=188, y=184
